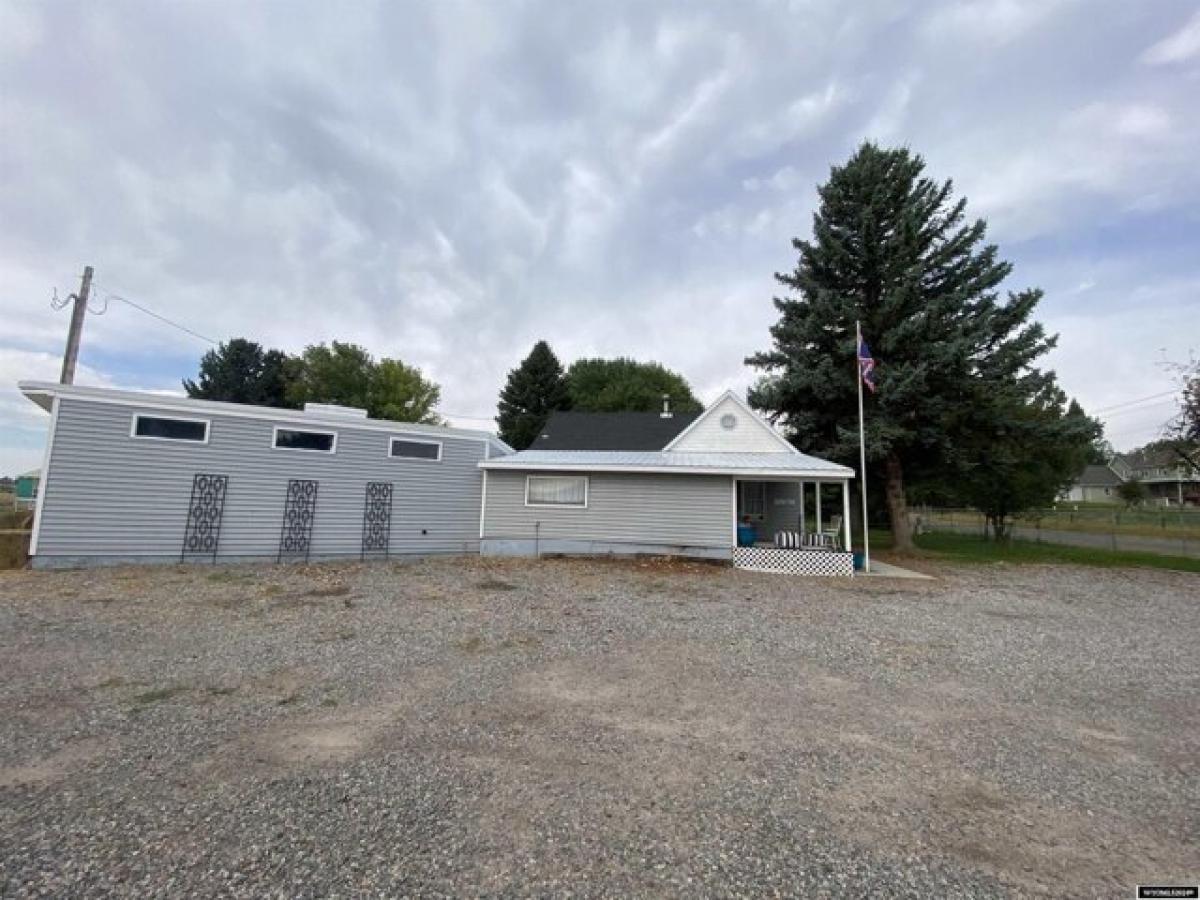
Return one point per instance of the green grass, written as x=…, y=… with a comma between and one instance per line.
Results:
x=974, y=549
x=1145, y=522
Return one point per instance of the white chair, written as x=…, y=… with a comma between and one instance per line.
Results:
x=833, y=533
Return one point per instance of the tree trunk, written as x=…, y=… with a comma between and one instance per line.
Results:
x=902, y=537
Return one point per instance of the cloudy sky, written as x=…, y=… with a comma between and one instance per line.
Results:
x=448, y=182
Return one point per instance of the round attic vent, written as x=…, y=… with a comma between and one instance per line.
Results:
x=729, y=421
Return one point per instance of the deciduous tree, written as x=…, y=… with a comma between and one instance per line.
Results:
x=623, y=384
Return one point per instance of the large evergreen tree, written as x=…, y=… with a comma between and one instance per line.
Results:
x=534, y=389
x=623, y=384
x=892, y=249
x=240, y=371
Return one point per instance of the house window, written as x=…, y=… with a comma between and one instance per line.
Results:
x=407, y=448
x=754, y=498
x=170, y=429
x=556, y=490
x=312, y=441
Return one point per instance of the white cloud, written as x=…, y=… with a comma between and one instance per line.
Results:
x=447, y=183
x=1179, y=47
x=989, y=21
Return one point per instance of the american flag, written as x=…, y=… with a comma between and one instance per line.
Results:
x=866, y=365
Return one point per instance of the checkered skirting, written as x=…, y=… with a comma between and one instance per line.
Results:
x=794, y=562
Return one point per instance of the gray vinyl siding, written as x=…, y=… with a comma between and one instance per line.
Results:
x=110, y=495
x=681, y=510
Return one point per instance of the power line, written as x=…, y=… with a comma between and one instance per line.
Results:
x=1132, y=402
x=111, y=295
x=1137, y=409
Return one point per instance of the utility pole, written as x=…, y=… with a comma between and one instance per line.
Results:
x=77, y=314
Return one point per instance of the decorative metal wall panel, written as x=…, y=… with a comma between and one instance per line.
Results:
x=299, y=510
x=377, y=518
x=794, y=562
x=202, y=531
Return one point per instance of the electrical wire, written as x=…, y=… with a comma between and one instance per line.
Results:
x=109, y=295
x=1104, y=409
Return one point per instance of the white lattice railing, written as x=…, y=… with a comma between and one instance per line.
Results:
x=794, y=562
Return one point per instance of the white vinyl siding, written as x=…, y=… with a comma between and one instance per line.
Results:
x=748, y=434
x=556, y=490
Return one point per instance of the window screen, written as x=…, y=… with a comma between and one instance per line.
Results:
x=288, y=439
x=170, y=429
x=754, y=498
x=556, y=490
x=416, y=449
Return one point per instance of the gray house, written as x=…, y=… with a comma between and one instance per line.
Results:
x=137, y=477
x=680, y=485
x=147, y=478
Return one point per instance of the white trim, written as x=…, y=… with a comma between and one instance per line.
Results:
x=483, y=505
x=133, y=420
x=846, y=513
x=500, y=465
x=278, y=428
x=586, y=490
x=141, y=399
x=409, y=440
x=745, y=408
x=44, y=480
x=733, y=480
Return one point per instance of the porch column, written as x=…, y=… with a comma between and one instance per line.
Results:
x=802, y=506
x=846, y=512
x=818, y=507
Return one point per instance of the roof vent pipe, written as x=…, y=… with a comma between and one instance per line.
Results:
x=666, y=411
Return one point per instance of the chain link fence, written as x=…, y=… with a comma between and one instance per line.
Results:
x=1166, y=531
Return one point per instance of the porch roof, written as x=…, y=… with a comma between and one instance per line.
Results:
x=767, y=465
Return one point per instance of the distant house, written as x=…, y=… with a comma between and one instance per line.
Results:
x=1097, y=484
x=1168, y=480
x=27, y=489
x=663, y=483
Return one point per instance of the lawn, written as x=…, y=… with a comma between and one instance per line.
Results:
x=970, y=548
x=1098, y=519
x=600, y=728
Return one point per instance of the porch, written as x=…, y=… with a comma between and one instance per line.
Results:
x=792, y=526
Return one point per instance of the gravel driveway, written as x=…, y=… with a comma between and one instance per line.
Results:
x=467, y=726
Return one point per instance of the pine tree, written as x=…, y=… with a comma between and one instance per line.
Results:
x=534, y=389
x=239, y=371
x=891, y=249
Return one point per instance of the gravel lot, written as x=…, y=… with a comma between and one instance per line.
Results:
x=466, y=726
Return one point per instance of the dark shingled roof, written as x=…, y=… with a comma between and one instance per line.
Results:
x=1099, y=476
x=611, y=431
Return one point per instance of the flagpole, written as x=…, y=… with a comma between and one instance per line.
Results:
x=862, y=447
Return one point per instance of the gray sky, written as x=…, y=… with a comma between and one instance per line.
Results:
x=447, y=183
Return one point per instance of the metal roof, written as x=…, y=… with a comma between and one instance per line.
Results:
x=767, y=464
x=611, y=430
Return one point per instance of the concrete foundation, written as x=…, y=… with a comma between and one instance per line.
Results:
x=561, y=547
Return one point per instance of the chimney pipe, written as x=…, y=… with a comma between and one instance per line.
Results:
x=666, y=410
